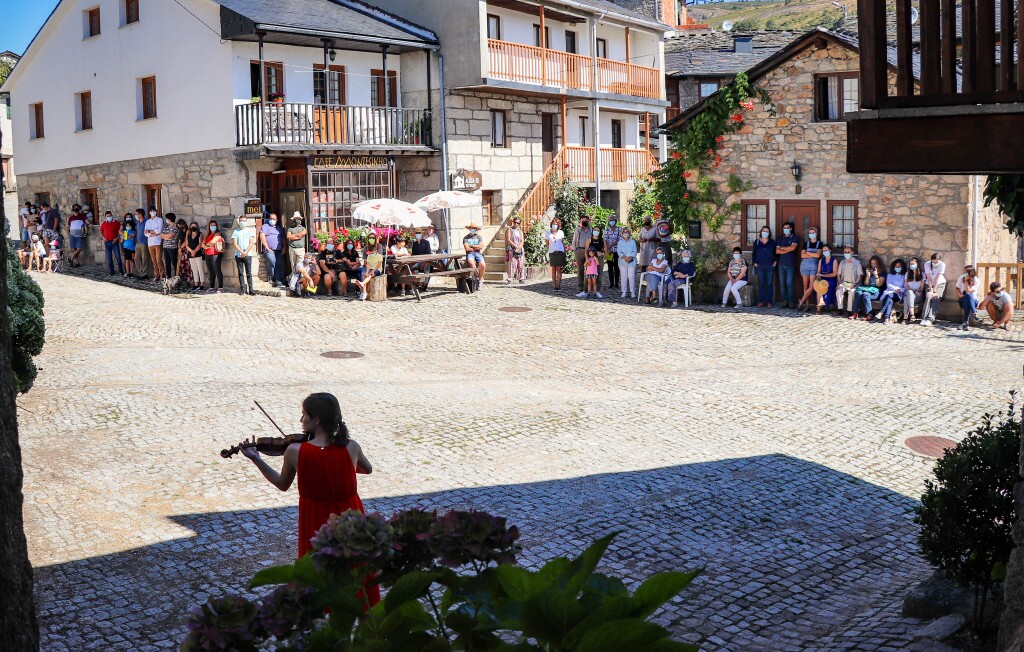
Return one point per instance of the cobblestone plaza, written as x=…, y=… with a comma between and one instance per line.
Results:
x=764, y=447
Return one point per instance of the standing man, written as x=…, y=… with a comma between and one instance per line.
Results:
x=111, y=232
x=49, y=217
x=78, y=225
x=243, y=241
x=786, y=247
x=270, y=239
x=580, y=241
x=141, y=245
x=153, y=230
x=25, y=224
x=765, y=260
x=296, y=237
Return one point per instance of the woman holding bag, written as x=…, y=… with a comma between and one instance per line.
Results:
x=213, y=249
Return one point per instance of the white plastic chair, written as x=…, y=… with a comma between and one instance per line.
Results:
x=640, y=293
x=685, y=289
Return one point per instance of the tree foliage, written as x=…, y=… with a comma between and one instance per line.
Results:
x=967, y=512
x=1007, y=191
x=6, y=66
x=25, y=312
x=643, y=203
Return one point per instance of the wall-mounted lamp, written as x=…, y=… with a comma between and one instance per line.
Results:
x=332, y=55
x=795, y=169
x=426, y=172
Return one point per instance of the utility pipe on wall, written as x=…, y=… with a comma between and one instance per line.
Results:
x=444, y=147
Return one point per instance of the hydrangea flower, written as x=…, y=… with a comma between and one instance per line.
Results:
x=228, y=623
x=351, y=539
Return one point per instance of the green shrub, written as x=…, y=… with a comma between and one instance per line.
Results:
x=25, y=312
x=494, y=605
x=708, y=256
x=967, y=512
x=535, y=250
x=642, y=205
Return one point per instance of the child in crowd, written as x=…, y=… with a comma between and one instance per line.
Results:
x=591, y=270
x=374, y=268
x=50, y=262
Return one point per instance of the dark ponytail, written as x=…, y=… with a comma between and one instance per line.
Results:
x=327, y=410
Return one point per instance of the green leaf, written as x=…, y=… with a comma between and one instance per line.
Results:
x=551, y=615
x=306, y=573
x=613, y=609
x=410, y=586
x=999, y=572
x=583, y=566
x=659, y=589
x=273, y=575
x=519, y=583
x=618, y=635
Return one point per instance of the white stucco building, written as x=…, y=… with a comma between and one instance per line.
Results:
x=9, y=190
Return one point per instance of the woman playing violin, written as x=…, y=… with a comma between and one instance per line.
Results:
x=326, y=466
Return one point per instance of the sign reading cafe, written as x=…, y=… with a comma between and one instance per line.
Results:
x=342, y=162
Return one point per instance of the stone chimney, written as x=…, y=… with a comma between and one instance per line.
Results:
x=743, y=44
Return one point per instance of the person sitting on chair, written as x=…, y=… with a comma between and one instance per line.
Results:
x=682, y=274
x=655, y=274
x=474, y=246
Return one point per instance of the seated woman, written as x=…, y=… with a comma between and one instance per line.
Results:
x=328, y=262
x=398, y=250
x=26, y=256
x=895, y=283
x=52, y=256
x=736, y=277
x=351, y=266
x=656, y=272
x=914, y=291
x=374, y=268
x=682, y=273
x=871, y=288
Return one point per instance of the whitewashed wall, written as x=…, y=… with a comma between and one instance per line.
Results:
x=630, y=128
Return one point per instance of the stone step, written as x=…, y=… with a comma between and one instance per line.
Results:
x=494, y=276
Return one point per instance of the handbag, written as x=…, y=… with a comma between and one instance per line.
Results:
x=219, y=246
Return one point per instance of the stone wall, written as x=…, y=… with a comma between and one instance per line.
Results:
x=899, y=215
x=197, y=185
x=689, y=89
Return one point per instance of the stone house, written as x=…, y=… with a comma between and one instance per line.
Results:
x=813, y=82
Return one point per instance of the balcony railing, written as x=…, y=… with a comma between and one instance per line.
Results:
x=616, y=164
x=534, y=65
x=290, y=123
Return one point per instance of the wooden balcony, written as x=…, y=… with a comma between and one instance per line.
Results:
x=529, y=64
x=956, y=104
x=331, y=126
x=617, y=165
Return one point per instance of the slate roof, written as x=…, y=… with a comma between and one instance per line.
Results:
x=711, y=54
x=336, y=16
x=634, y=9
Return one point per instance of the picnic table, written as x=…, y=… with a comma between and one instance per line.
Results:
x=431, y=265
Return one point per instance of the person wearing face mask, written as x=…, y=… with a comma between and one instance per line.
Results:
x=895, y=284
x=612, y=234
x=169, y=244
x=515, y=254
x=184, y=267
x=142, y=264
x=765, y=260
x=828, y=271
x=935, y=287
x=296, y=237
x=327, y=259
x=243, y=242
x=850, y=273
x=194, y=255
x=655, y=275
x=663, y=231
x=351, y=266
x=272, y=243
x=999, y=305
x=213, y=250
x=111, y=232
x=967, y=291
x=78, y=226
x=735, y=278
x=473, y=243
x=913, y=293
x=626, y=252
x=682, y=274
x=786, y=248
x=153, y=230
x=580, y=243
x=555, y=239
x=871, y=288
x=809, y=257
x=129, y=233
x=648, y=239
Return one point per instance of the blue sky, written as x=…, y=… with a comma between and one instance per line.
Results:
x=22, y=19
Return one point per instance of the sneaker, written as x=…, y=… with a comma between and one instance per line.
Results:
x=926, y=322
x=581, y=295
x=622, y=296
x=362, y=296
x=600, y=296
x=675, y=304
x=965, y=326
x=724, y=305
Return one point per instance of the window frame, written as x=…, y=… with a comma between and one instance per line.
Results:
x=829, y=204
x=571, y=35
x=495, y=144
x=153, y=199
x=92, y=19
x=601, y=48
x=584, y=128
x=536, y=37
x=90, y=197
x=84, y=116
x=148, y=112
x=377, y=85
x=700, y=88
x=745, y=241
x=38, y=122
x=497, y=27
x=841, y=76
x=131, y=16
x=616, y=126
x=318, y=69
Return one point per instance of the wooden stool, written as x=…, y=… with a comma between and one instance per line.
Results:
x=377, y=288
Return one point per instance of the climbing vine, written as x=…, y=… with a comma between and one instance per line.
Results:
x=696, y=152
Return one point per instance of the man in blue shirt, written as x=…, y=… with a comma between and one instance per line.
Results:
x=765, y=260
x=786, y=247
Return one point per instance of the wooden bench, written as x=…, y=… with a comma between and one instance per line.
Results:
x=462, y=277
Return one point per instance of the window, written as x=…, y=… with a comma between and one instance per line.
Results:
x=494, y=27
x=131, y=12
x=42, y=198
x=329, y=88
x=377, y=89
x=92, y=22
x=583, y=131
x=707, y=89
x=488, y=213
x=89, y=200
x=617, y=134
x=84, y=111
x=7, y=104
x=536, y=36
x=835, y=96
x=273, y=79
x=602, y=48
x=36, y=127
x=498, y=129
x=334, y=192
x=153, y=193
x=570, y=42
x=842, y=223
x=147, y=88
x=755, y=216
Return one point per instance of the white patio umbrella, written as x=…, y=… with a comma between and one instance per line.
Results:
x=442, y=199
x=390, y=212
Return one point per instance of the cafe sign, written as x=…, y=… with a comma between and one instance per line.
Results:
x=467, y=180
x=254, y=207
x=341, y=162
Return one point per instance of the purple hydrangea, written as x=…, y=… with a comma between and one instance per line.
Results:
x=228, y=623
x=459, y=538
x=287, y=609
x=352, y=539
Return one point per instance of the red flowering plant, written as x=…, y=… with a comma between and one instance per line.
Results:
x=452, y=584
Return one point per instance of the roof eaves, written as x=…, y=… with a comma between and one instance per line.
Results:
x=391, y=19
x=613, y=10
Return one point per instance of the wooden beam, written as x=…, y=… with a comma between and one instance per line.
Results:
x=564, y=123
x=873, y=66
x=969, y=63
x=527, y=8
x=1020, y=44
x=904, y=47
x=963, y=144
x=986, y=40
x=949, y=38
x=1007, y=80
x=930, y=45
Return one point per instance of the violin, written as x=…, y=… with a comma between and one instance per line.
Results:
x=272, y=446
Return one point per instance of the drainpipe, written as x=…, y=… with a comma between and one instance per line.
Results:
x=263, y=72
x=976, y=208
x=597, y=108
x=444, y=147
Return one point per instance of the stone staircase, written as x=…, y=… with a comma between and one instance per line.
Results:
x=494, y=256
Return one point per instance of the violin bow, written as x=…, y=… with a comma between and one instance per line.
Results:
x=269, y=417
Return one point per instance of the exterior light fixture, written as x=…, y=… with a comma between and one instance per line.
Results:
x=332, y=55
x=795, y=169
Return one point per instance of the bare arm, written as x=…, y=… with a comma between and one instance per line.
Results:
x=359, y=458
x=284, y=479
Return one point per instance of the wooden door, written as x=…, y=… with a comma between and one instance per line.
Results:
x=803, y=213
x=547, y=137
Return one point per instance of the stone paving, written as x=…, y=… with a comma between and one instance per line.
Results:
x=762, y=446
